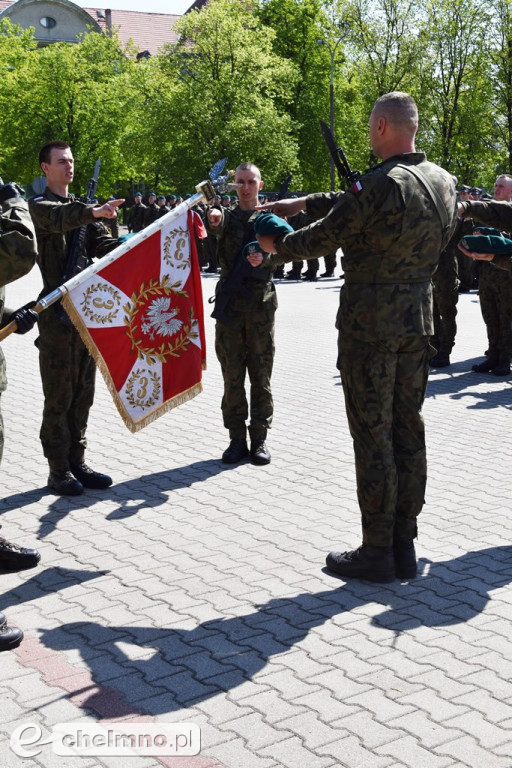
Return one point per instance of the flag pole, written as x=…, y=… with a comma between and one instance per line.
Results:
x=205, y=191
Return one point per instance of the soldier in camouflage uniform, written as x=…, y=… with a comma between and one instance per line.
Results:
x=445, y=298
x=18, y=250
x=67, y=369
x=136, y=214
x=152, y=211
x=162, y=207
x=244, y=344
x=495, y=288
x=392, y=226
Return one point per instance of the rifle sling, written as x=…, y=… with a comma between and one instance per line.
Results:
x=434, y=195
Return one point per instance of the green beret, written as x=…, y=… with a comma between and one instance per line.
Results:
x=151, y=194
x=161, y=197
x=270, y=224
x=138, y=194
x=488, y=241
x=252, y=247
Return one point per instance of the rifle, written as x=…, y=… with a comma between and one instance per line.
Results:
x=77, y=259
x=240, y=270
x=345, y=173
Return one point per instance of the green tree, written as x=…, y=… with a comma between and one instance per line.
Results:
x=71, y=92
x=224, y=96
x=454, y=88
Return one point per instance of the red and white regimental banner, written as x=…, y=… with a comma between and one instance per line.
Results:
x=141, y=317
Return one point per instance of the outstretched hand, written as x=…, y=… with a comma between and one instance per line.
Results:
x=107, y=210
x=288, y=207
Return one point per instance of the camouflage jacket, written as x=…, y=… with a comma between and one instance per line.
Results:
x=54, y=219
x=151, y=214
x=18, y=249
x=234, y=231
x=391, y=235
x=136, y=216
x=492, y=213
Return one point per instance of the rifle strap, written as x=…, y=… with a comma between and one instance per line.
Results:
x=434, y=195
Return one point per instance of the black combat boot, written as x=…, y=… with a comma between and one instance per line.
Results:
x=488, y=365
x=62, y=481
x=406, y=566
x=260, y=454
x=89, y=478
x=14, y=558
x=371, y=563
x=236, y=451
x=502, y=367
x=10, y=637
x=441, y=360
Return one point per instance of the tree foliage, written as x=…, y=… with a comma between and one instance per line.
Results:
x=250, y=81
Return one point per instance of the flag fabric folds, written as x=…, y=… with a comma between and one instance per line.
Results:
x=141, y=317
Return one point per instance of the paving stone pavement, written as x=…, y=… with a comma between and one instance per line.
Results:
x=191, y=591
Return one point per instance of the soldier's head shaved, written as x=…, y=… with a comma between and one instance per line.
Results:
x=400, y=110
x=248, y=167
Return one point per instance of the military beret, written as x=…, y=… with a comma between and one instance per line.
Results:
x=138, y=194
x=224, y=196
x=270, y=224
x=252, y=247
x=187, y=197
x=488, y=241
x=172, y=197
x=161, y=197
x=151, y=194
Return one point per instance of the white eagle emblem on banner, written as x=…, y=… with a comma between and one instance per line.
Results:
x=161, y=319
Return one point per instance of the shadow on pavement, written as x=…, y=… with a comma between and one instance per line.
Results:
x=132, y=495
x=454, y=385
x=189, y=666
x=47, y=581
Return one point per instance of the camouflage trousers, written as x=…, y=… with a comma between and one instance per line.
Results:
x=246, y=346
x=68, y=376
x=445, y=297
x=384, y=385
x=495, y=293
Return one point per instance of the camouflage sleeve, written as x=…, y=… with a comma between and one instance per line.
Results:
x=376, y=211
x=49, y=216
x=99, y=240
x=18, y=246
x=493, y=213
x=217, y=231
x=503, y=262
x=319, y=205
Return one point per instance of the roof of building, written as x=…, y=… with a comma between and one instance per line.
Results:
x=149, y=31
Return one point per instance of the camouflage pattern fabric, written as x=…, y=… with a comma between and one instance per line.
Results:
x=495, y=293
x=18, y=250
x=446, y=297
x=245, y=345
x=151, y=214
x=495, y=288
x=67, y=369
x=391, y=235
x=136, y=215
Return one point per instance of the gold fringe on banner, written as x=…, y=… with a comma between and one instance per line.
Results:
x=133, y=426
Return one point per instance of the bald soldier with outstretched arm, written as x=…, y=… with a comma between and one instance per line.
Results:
x=391, y=225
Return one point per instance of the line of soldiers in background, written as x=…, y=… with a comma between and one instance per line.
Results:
x=207, y=248
x=456, y=273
